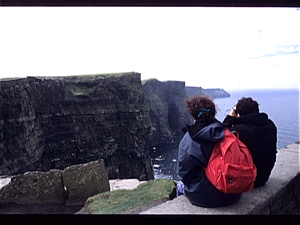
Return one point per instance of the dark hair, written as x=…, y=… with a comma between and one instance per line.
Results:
x=246, y=106
x=201, y=108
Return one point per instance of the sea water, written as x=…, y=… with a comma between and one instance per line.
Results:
x=281, y=105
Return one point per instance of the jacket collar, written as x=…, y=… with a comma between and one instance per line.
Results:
x=255, y=119
x=197, y=126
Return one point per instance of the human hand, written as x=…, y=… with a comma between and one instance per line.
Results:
x=233, y=112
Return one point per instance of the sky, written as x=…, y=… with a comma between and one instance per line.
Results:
x=209, y=47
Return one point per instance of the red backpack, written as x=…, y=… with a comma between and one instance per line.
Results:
x=230, y=168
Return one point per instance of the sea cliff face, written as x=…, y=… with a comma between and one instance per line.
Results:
x=54, y=122
x=212, y=92
x=168, y=111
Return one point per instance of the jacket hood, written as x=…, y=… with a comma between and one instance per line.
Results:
x=254, y=119
x=206, y=131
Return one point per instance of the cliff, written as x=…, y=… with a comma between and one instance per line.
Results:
x=54, y=122
x=168, y=111
x=190, y=91
x=214, y=92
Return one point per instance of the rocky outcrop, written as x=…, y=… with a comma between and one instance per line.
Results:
x=156, y=100
x=124, y=184
x=213, y=93
x=216, y=93
x=71, y=187
x=34, y=188
x=190, y=91
x=168, y=111
x=83, y=181
x=178, y=114
x=55, y=122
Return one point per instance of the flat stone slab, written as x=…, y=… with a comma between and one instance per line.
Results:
x=124, y=184
x=33, y=187
x=279, y=194
x=4, y=182
x=83, y=181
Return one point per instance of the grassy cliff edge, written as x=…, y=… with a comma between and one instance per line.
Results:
x=150, y=193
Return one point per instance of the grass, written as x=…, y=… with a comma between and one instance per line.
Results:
x=119, y=201
x=146, y=80
x=84, y=76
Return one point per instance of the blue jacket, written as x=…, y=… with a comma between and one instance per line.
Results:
x=194, y=152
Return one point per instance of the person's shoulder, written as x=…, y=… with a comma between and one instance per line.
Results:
x=185, y=137
x=266, y=117
x=228, y=119
x=271, y=122
x=217, y=124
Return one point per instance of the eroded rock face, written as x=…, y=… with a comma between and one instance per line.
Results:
x=168, y=111
x=83, y=181
x=55, y=122
x=178, y=115
x=34, y=188
x=211, y=92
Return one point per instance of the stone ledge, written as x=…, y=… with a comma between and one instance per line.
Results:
x=124, y=184
x=280, y=195
x=71, y=186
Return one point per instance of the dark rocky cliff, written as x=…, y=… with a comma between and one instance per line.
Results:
x=190, y=91
x=213, y=92
x=168, y=111
x=54, y=122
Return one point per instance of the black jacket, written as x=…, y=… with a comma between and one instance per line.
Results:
x=259, y=134
x=194, y=152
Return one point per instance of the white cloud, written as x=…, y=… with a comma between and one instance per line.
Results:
x=208, y=47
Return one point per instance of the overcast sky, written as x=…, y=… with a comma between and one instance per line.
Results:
x=226, y=48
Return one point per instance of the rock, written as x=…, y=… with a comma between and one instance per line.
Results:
x=212, y=92
x=55, y=122
x=4, y=181
x=216, y=93
x=190, y=91
x=83, y=181
x=168, y=111
x=178, y=115
x=70, y=187
x=34, y=188
x=155, y=99
x=124, y=184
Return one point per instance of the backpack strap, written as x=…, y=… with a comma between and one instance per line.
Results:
x=230, y=138
x=236, y=133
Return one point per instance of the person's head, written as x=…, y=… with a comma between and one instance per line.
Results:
x=201, y=108
x=246, y=106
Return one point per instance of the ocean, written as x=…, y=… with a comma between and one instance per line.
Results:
x=281, y=105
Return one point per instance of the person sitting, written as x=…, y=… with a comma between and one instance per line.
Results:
x=258, y=133
x=194, y=153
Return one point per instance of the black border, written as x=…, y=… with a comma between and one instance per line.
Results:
x=149, y=219
x=181, y=3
